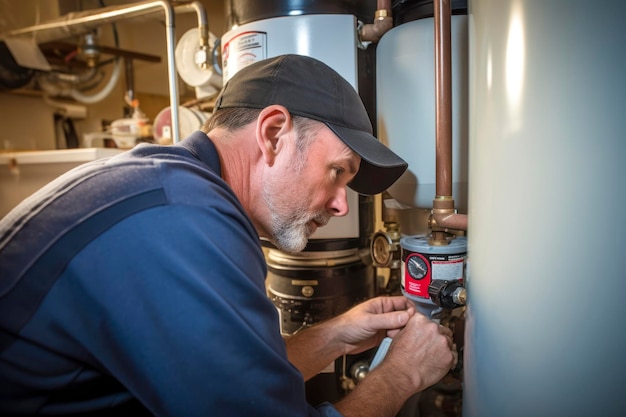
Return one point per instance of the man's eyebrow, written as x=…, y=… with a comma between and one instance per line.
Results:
x=353, y=167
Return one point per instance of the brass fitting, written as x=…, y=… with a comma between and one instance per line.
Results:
x=382, y=14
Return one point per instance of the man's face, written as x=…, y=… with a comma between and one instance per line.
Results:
x=309, y=189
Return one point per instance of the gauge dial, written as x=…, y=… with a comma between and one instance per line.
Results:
x=381, y=250
x=417, y=267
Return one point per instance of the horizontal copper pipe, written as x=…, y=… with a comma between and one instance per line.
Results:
x=454, y=221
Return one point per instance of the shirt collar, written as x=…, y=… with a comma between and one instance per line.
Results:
x=201, y=146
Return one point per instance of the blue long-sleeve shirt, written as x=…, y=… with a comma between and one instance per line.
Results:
x=136, y=283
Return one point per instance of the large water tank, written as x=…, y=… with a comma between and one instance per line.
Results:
x=405, y=91
x=545, y=330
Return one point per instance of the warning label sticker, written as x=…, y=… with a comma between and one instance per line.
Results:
x=243, y=50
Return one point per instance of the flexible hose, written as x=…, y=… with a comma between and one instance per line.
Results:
x=99, y=96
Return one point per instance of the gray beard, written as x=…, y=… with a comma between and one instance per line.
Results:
x=291, y=234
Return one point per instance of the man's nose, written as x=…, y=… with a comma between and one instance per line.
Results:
x=338, y=204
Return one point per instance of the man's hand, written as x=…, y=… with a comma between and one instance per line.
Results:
x=420, y=354
x=358, y=329
x=425, y=344
x=365, y=325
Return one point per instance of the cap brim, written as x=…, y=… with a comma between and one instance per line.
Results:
x=380, y=166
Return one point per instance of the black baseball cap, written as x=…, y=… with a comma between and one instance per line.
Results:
x=309, y=88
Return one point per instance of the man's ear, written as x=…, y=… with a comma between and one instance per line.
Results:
x=272, y=123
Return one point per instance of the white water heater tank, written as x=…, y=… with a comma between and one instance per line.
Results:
x=405, y=91
x=545, y=331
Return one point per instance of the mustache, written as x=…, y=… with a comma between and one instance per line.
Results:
x=322, y=219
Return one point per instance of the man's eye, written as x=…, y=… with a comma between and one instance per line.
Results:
x=339, y=171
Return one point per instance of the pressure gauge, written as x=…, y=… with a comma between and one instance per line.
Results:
x=417, y=267
x=381, y=249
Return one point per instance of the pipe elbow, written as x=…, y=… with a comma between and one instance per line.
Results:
x=374, y=31
x=446, y=221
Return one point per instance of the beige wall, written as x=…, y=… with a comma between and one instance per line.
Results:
x=26, y=121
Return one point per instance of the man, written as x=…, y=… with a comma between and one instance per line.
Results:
x=136, y=284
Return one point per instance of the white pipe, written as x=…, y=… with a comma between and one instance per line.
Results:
x=203, y=21
x=76, y=23
x=100, y=95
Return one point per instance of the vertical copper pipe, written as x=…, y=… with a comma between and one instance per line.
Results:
x=443, y=97
x=443, y=216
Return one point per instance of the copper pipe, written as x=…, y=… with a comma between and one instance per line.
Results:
x=383, y=22
x=445, y=221
x=443, y=98
x=444, y=215
x=383, y=4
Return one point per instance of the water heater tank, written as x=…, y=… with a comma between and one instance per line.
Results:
x=405, y=91
x=545, y=333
